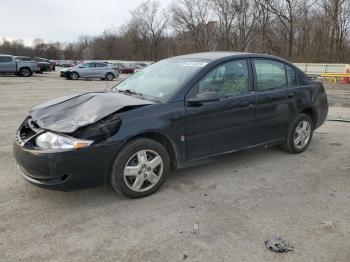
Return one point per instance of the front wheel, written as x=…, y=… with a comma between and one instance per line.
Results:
x=74, y=76
x=299, y=135
x=140, y=168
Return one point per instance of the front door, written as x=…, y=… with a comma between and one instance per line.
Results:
x=88, y=70
x=225, y=125
x=7, y=64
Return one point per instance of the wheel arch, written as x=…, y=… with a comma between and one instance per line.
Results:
x=161, y=139
x=75, y=72
x=110, y=73
x=312, y=113
x=164, y=141
x=25, y=67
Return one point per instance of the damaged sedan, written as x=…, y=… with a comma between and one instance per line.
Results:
x=172, y=114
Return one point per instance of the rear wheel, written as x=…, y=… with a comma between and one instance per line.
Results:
x=26, y=72
x=140, y=168
x=299, y=135
x=109, y=77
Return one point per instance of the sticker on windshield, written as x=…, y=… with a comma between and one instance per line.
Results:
x=196, y=64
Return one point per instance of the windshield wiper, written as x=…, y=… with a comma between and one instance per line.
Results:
x=129, y=92
x=133, y=92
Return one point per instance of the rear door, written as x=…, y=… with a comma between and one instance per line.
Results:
x=275, y=106
x=7, y=64
x=225, y=125
x=101, y=69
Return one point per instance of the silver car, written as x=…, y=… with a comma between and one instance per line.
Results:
x=10, y=65
x=100, y=70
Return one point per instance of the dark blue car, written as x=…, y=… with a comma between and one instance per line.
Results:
x=172, y=114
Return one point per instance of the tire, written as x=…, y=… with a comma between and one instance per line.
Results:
x=136, y=182
x=109, y=77
x=292, y=145
x=26, y=72
x=74, y=76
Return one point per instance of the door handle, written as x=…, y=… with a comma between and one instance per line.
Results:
x=244, y=104
x=290, y=95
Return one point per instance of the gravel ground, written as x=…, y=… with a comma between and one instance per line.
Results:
x=220, y=211
x=338, y=94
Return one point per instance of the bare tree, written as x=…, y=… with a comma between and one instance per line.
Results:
x=190, y=19
x=299, y=30
x=285, y=10
x=246, y=20
x=149, y=22
x=226, y=14
x=337, y=13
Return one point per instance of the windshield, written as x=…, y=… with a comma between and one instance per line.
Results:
x=161, y=79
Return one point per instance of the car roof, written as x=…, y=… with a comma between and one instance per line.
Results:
x=212, y=56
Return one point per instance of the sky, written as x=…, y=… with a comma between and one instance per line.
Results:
x=62, y=20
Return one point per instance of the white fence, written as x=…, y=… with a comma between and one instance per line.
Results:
x=317, y=69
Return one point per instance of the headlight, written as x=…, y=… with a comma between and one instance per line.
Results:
x=51, y=140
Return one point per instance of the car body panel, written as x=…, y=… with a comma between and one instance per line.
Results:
x=189, y=133
x=66, y=114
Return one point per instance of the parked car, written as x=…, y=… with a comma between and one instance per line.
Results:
x=68, y=63
x=44, y=64
x=174, y=113
x=63, y=72
x=10, y=65
x=29, y=60
x=128, y=68
x=104, y=71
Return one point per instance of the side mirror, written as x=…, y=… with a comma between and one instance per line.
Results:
x=201, y=98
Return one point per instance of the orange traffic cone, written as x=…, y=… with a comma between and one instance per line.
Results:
x=346, y=80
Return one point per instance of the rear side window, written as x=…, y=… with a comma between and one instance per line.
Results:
x=270, y=75
x=291, y=77
x=5, y=59
x=23, y=59
x=101, y=65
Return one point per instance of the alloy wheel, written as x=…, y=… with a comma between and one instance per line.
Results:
x=26, y=72
x=302, y=134
x=143, y=170
x=74, y=76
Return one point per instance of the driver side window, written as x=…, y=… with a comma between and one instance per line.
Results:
x=229, y=79
x=89, y=65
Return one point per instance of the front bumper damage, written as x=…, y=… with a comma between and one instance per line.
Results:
x=64, y=170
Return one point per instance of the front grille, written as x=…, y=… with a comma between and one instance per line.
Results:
x=28, y=130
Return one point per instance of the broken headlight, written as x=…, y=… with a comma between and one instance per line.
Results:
x=49, y=140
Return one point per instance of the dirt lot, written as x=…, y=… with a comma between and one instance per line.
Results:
x=238, y=201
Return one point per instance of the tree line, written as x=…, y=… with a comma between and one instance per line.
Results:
x=298, y=30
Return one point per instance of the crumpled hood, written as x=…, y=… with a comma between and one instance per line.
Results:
x=66, y=114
